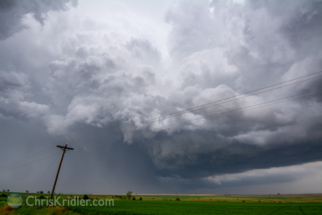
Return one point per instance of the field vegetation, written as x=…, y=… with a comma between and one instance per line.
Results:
x=179, y=204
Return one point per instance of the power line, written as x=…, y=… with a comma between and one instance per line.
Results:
x=221, y=101
x=44, y=172
x=251, y=107
x=247, y=94
x=27, y=163
x=245, y=108
x=28, y=157
x=32, y=156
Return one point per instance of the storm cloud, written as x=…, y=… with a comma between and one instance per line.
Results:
x=14, y=11
x=102, y=81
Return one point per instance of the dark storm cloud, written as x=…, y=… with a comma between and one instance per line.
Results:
x=259, y=39
x=13, y=90
x=261, y=177
x=100, y=83
x=13, y=11
x=205, y=153
x=11, y=80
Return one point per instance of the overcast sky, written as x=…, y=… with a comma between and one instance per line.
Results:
x=99, y=74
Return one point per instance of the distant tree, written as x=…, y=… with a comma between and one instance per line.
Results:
x=3, y=190
x=37, y=191
x=48, y=192
x=8, y=190
x=85, y=197
x=129, y=194
x=41, y=192
x=133, y=198
x=41, y=197
x=177, y=199
x=278, y=193
x=140, y=199
x=27, y=191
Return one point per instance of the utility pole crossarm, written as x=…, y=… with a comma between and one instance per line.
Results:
x=65, y=147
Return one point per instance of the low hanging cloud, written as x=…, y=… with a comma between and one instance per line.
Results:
x=264, y=176
x=98, y=75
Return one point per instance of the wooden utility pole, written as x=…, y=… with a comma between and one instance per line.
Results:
x=64, y=148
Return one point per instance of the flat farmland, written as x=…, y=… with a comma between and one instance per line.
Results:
x=192, y=207
x=188, y=204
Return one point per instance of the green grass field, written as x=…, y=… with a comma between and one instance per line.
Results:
x=190, y=207
x=166, y=204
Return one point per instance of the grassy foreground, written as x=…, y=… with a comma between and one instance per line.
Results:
x=163, y=204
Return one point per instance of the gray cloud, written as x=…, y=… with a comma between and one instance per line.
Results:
x=192, y=28
x=143, y=50
x=13, y=11
x=99, y=82
x=262, y=50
